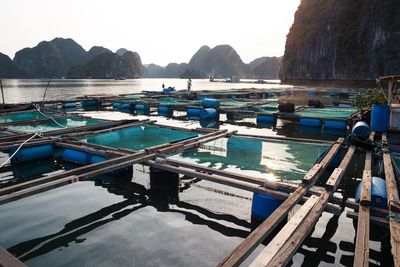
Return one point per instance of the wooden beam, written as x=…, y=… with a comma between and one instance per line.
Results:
x=241, y=252
x=9, y=260
x=361, y=252
x=379, y=221
x=290, y=227
x=393, y=203
x=391, y=184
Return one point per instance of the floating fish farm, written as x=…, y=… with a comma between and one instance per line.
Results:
x=177, y=178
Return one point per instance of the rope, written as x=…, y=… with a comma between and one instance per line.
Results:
x=48, y=116
x=20, y=146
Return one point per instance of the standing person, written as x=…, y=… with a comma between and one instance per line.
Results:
x=189, y=84
x=163, y=85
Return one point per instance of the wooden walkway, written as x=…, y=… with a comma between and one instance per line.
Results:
x=238, y=255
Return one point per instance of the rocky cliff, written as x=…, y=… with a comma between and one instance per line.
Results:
x=108, y=65
x=50, y=59
x=343, y=40
x=8, y=69
x=265, y=67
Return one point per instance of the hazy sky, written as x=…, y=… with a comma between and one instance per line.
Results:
x=161, y=31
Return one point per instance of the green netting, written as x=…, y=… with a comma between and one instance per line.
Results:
x=27, y=115
x=173, y=101
x=327, y=112
x=266, y=159
x=232, y=103
x=138, y=137
x=70, y=122
x=396, y=161
x=269, y=107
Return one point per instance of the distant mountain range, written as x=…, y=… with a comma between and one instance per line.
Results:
x=61, y=58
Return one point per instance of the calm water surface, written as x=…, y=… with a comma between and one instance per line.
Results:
x=16, y=91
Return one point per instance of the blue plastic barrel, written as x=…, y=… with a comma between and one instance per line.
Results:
x=333, y=95
x=32, y=153
x=311, y=93
x=193, y=112
x=127, y=107
x=76, y=156
x=168, y=89
x=89, y=103
x=96, y=159
x=209, y=122
x=265, y=118
x=310, y=122
x=210, y=103
x=208, y=113
x=380, y=118
x=116, y=104
x=263, y=206
x=333, y=124
x=378, y=193
x=165, y=111
x=361, y=129
x=143, y=109
x=68, y=104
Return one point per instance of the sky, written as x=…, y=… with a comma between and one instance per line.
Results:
x=161, y=31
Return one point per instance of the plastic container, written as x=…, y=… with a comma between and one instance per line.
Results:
x=76, y=156
x=193, y=112
x=32, y=153
x=311, y=93
x=165, y=111
x=266, y=118
x=116, y=104
x=89, y=103
x=210, y=103
x=333, y=95
x=378, y=193
x=310, y=122
x=127, y=107
x=263, y=206
x=208, y=113
x=361, y=129
x=333, y=124
x=168, y=89
x=143, y=109
x=380, y=118
x=96, y=159
x=68, y=104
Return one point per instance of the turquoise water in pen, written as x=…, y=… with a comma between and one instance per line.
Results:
x=69, y=122
x=138, y=137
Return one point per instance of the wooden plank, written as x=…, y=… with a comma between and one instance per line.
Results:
x=361, y=252
x=394, y=227
x=290, y=227
x=315, y=170
x=76, y=171
x=331, y=184
x=290, y=247
x=241, y=252
x=378, y=221
x=70, y=179
x=337, y=174
x=391, y=184
x=9, y=260
x=365, y=198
